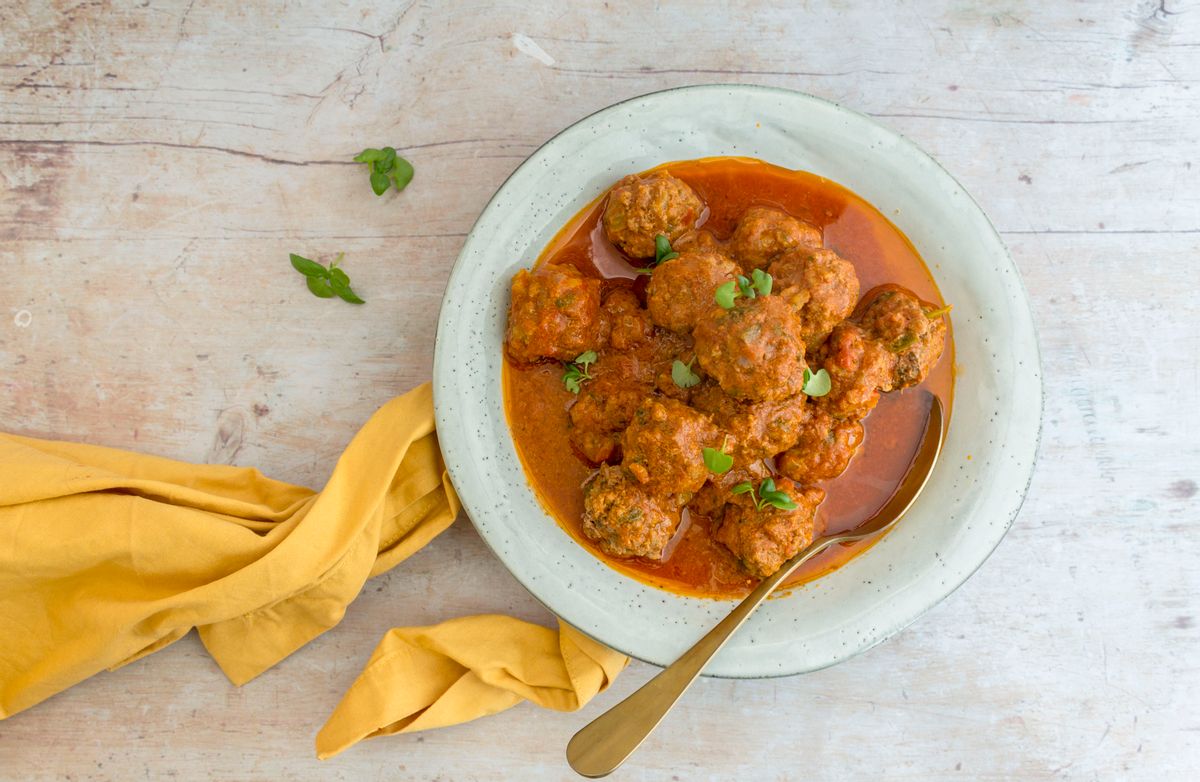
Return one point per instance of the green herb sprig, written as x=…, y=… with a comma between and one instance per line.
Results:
x=817, y=384
x=716, y=460
x=766, y=495
x=324, y=282
x=662, y=254
x=759, y=283
x=387, y=169
x=576, y=372
x=933, y=314
x=683, y=375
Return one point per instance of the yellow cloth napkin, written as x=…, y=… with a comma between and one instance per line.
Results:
x=106, y=556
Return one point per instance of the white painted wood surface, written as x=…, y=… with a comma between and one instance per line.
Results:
x=160, y=159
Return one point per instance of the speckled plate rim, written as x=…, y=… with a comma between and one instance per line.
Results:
x=991, y=445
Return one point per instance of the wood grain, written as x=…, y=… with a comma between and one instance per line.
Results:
x=160, y=159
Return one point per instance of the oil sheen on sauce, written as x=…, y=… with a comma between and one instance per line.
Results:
x=536, y=403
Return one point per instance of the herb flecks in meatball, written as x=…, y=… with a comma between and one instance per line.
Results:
x=752, y=349
x=899, y=321
x=823, y=450
x=763, y=539
x=681, y=290
x=663, y=447
x=623, y=518
x=554, y=313
x=821, y=286
x=641, y=208
x=859, y=369
x=762, y=234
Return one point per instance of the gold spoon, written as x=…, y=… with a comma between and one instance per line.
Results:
x=605, y=743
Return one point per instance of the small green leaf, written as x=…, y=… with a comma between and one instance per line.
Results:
x=571, y=378
x=662, y=246
x=319, y=287
x=816, y=384
x=780, y=500
x=745, y=287
x=380, y=182
x=768, y=485
x=939, y=312
x=762, y=282
x=585, y=358
x=369, y=155
x=340, y=284
x=726, y=293
x=336, y=274
x=307, y=267
x=683, y=375
x=402, y=173
x=669, y=257
x=742, y=488
x=388, y=160
x=718, y=462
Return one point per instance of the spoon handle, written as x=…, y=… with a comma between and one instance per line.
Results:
x=604, y=743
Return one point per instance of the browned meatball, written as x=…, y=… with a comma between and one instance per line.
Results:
x=764, y=233
x=663, y=447
x=554, y=313
x=821, y=285
x=681, y=290
x=899, y=321
x=606, y=404
x=623, y=519
x=859, y=368
x=763, y=540
x=753, y=350
x=623, y=321
x=764, y=429
x=640, y=209
x=824, y=449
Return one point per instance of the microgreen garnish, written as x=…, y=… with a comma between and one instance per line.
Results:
x=726, y=293
x=816, y=384
x=716, y=460
x=939, y=312
x=326, y=283
x=662, y=253
x=683, y=375
x=759, y=283
x=387, y=169
x=766, y=495
x=662, y=250
x=577, y=371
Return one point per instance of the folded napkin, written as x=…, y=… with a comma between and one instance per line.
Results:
x=106, y=556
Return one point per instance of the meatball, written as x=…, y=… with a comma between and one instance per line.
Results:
x=681, y=290
x=753, y=350
x=764, y=429
x=821, y=285
x=763, y=540
x=899, y=321
x=554, y=313
x=714, y=495
x=859, y=368
x=623, y=519
x=623, y=321
x=824, y=449
x=764, y=233
x=640, y=209
x=606, y=404
x=663, y=447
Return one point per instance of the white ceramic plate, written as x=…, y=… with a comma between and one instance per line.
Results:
x=988, y=457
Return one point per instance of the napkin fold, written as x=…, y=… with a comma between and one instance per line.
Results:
x=107, y=555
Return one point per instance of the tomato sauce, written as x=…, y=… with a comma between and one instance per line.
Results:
x=536, y=402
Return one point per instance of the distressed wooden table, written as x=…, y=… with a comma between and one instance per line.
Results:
x=160, y=159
